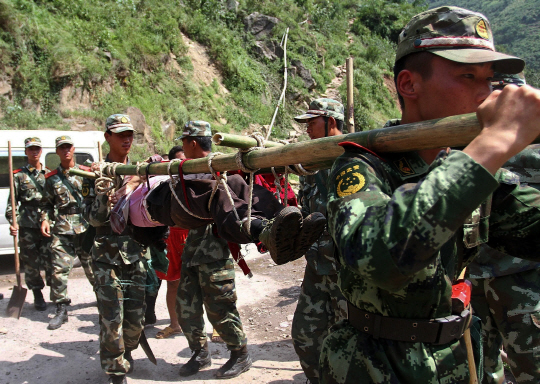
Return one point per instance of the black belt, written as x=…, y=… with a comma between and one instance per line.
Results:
x=436, y=331
x=69, y=211
x=30, y=204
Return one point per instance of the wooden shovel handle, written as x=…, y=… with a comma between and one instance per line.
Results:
x=14, y=215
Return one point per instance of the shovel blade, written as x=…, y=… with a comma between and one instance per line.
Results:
x=16, y=303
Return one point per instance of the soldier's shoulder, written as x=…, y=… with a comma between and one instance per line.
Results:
x=51, y=173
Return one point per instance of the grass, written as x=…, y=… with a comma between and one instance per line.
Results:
x=119, y=51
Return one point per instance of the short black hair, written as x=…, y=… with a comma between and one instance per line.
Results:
x=205, y=142
x=339, y=123
x=419, y=62
x=174, y=150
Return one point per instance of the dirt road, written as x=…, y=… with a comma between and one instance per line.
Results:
x=31, y=354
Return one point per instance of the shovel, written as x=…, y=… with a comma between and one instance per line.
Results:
x=18, y=297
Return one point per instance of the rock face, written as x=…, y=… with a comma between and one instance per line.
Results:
x=268, y=49
x=260, y=25
x=144, y=132
x=304, y=74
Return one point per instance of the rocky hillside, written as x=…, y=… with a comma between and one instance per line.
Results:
x=68, y=64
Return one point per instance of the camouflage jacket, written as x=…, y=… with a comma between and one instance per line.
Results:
x=490, y=262
x=64, y=202
x=203, y=247
x=109, y=248
x=313, y=198
x=404, y=230
x=29, y=195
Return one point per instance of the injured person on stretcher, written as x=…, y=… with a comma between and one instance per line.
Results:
x=194, y=200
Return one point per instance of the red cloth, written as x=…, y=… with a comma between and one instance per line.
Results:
x=175, y=247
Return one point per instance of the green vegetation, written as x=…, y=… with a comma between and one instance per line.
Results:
x=123, y=53
x=516, y=27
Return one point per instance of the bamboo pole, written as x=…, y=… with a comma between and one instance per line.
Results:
x=454, y=131
x=350, y=95
x=239, y=141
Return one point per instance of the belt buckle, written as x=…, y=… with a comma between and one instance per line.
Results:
x=451, y=328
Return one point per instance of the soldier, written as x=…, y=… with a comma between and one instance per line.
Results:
x=28, y=188
x=321, y=304
x=207, y=277
x=64, y=207
x=117, y=260
x=406, y=224
x=506, y=291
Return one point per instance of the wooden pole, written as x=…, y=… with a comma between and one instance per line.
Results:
x=239, y=141
x=100, y=152
x=453, y=131
x=14, y=215
x=350, y=95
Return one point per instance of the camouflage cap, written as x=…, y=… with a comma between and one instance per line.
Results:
x=323, y=107
x=500, y=80
x=63, y=140
x=455, y=34
x=32, y=142
x=196, y=128
x=118, y=123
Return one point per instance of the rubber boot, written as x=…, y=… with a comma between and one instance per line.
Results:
x=59, y=318
x=39, y=301
x=127, y=356
x=199, y=360
x=239, y=362
x=117, y=379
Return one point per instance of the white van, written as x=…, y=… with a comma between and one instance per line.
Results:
x=86, y=148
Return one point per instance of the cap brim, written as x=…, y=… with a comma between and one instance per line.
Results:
x=64, y=142
x=501, y=62
x=305, y=117
x=121, y=129
x=33, y=145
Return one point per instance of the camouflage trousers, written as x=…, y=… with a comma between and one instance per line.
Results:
x=35, y=257
x=320, y=306
x=349, y=356
x=509, y=307
x=63, y=249
x=213, y=285
x=121, y=305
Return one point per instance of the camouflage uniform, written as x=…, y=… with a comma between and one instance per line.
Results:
x=120, y=274
x=506, y=294
x=207, y=277
x=405, y=230
x=63, y=206
x=35, y=248
x=321, y=304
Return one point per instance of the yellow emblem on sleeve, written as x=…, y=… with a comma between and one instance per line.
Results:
x=482, y=30
x=85, y=190
x=350, y=181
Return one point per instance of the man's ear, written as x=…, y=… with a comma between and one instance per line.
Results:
x=407, y=85
x=331, y=123
x=107, y=136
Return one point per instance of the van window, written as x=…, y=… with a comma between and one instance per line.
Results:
x=18, y=162
x=52, y=161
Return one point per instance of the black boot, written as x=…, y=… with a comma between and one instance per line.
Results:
x=127, y=356
x=150, y=314
x=239, y=362
x=60, y=317
x=199, y=360
x=39, y=301
x=117, y=379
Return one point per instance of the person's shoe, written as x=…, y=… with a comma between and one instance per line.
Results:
x=117, y=379
x=77, y=262
x=60, y=317
x=199, y=360
x=127, y=356
x=239, y=362
x=39, y=301
x=279, y=234
x=312, y=228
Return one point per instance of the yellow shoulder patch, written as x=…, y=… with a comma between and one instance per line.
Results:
x=85, y=190
x=350, y=181
x=482, y=29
